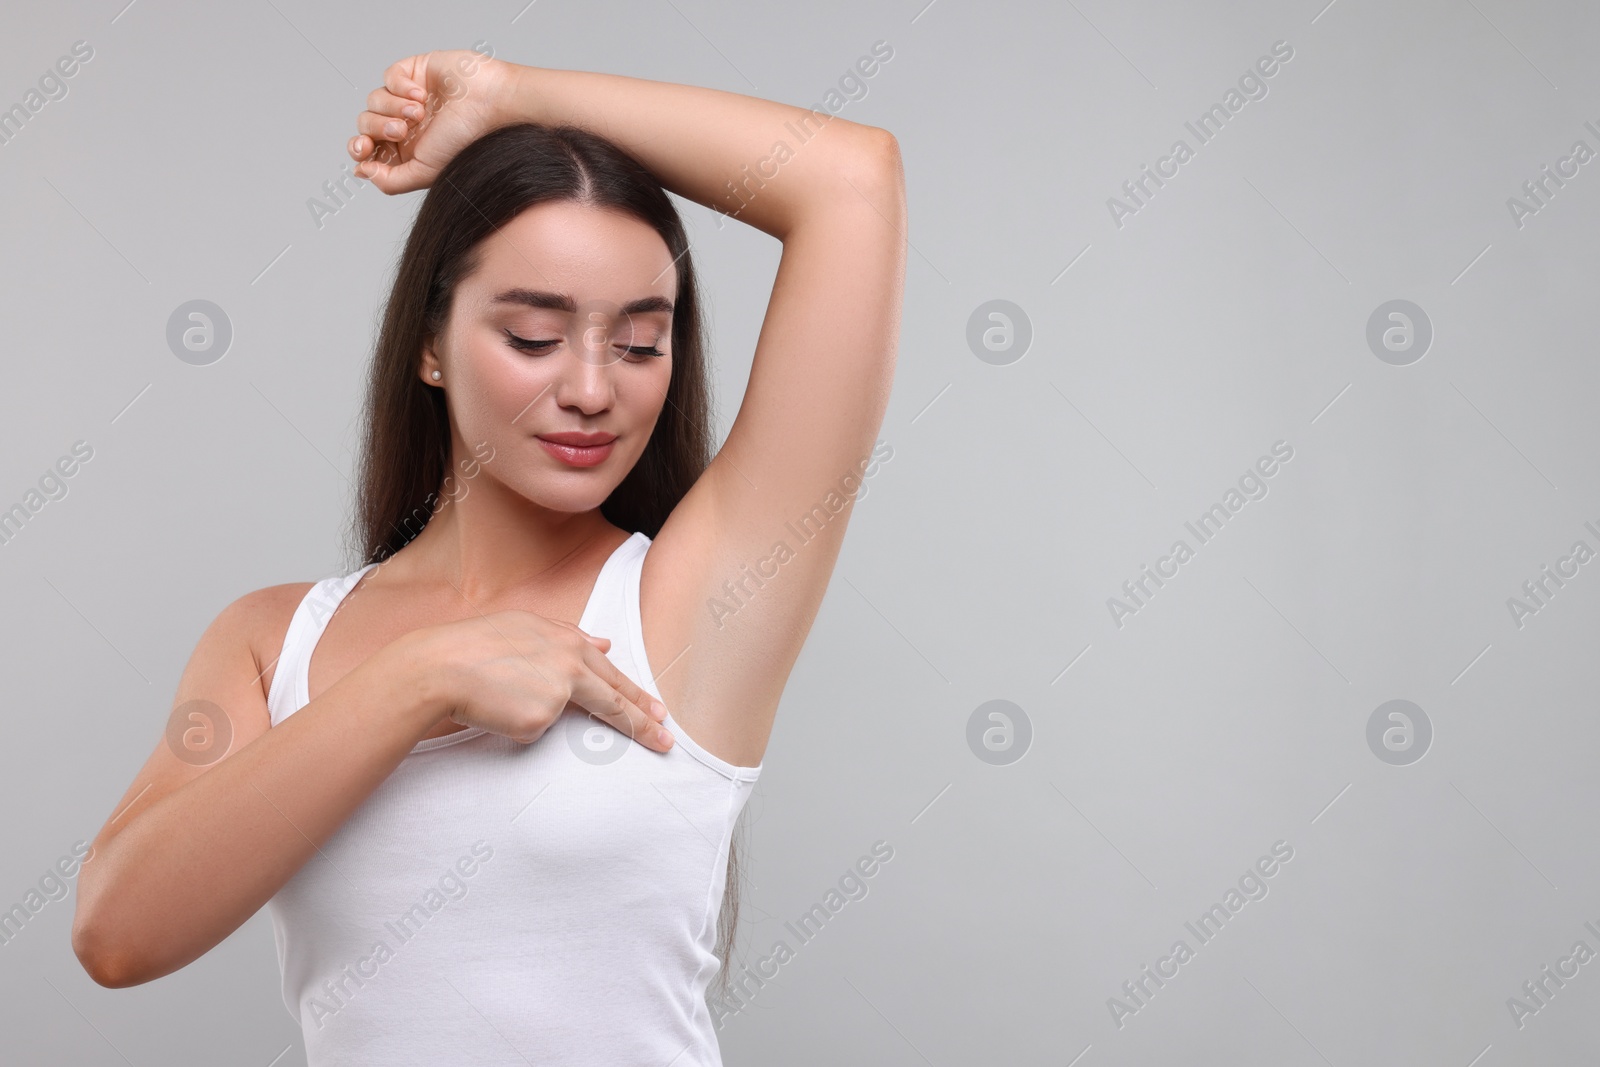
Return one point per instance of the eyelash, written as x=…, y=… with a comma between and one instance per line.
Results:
x=525, y=345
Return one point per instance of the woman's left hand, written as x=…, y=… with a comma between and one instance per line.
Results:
x=430, y=107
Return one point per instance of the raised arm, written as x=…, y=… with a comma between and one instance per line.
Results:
x=774, y=166
x=832, y=191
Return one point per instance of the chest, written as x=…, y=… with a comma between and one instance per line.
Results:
x=573, y=828
x=369, y=618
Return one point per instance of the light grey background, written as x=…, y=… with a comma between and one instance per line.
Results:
x=1168, y=354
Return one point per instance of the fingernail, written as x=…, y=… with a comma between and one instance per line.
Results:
x=664, y=737
x=659, y=708
x=411, y=111
x=394, y=129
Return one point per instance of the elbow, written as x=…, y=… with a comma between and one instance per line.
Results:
x=873, y=174
x=101, y=959
x=887, y=146
x=107, y=968
x=878, y=163
x=96, y=961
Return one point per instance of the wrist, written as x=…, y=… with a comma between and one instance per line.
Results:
x=516, y=99
x=413, y=664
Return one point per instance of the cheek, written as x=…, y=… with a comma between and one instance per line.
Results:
x=649, y=399
x=493, y=390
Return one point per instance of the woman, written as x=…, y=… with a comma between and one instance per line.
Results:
x=461, y=865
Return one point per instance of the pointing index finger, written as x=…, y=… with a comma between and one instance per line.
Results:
x=634, y=694
x=651, y=712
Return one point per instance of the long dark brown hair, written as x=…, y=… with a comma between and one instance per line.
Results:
x=405, y=456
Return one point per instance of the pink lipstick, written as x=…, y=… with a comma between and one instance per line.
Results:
x=578, y=449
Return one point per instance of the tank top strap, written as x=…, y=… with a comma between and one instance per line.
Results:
x=287, y=694
x=612, y=611
x=606, y=613
x=629, y=653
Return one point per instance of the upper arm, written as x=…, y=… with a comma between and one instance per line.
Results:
x=824, y=360
x=221, y=700
x=793, y=459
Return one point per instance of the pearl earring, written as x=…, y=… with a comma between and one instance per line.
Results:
x=437, y=376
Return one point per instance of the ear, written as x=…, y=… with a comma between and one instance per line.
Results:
x=428, y=364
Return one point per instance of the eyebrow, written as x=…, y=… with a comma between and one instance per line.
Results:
x=536, y=298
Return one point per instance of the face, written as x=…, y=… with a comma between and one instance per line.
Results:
x=560, y=339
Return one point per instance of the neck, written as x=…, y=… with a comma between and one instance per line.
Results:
x=489, y=540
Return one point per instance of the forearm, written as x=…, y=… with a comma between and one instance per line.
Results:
x=199, y=862
x=765, y=163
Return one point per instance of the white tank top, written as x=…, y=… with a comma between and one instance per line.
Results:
x=499, y=903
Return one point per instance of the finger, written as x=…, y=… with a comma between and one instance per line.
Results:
x=382, y=127
x=602, y=700
x=399, y=79
x=627, y=687
x=383, y=102
x=593, y=639
x=390, y=178
x=363, y=147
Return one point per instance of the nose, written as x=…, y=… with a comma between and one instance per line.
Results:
x=586, y=374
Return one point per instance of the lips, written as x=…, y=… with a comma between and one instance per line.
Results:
x=578, y=449
x=582, y=440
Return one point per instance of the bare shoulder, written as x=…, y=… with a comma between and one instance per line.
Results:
x=235, y=659
x=223, y=682
x=261, y=619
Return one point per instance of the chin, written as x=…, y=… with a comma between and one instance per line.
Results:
x=572, y=497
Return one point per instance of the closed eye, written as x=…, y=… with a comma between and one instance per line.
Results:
x=526, y=345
